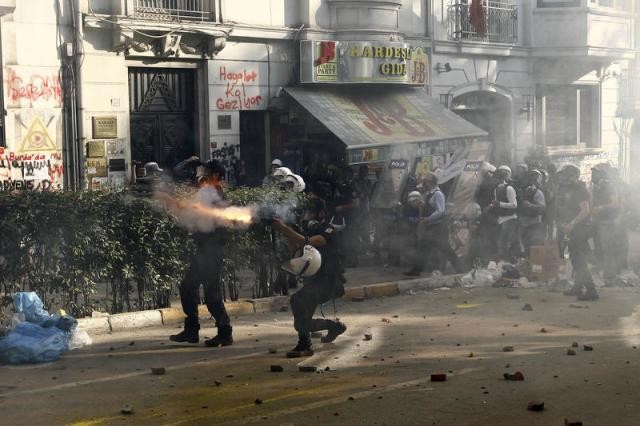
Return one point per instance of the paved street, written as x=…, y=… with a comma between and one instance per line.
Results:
x=384, y=381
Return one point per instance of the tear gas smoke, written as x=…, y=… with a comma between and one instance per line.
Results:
x=206, y=210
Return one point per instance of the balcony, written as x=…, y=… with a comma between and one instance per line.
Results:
x=500, y=22
x=595, y=29
x=175, y=10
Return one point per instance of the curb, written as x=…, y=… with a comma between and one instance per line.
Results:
x=158, y=317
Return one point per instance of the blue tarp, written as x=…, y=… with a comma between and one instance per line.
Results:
x=41, y=338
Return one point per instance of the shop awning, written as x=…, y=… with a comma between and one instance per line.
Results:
x=382, y=116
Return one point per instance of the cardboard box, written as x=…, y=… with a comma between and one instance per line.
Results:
x=544, y=262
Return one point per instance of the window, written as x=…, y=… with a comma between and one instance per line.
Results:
x=615, y=4
x=558, y=3
x=569, y=115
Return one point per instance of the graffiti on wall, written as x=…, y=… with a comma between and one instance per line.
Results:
x=33, y=172
x=32, y=160
x=238, y=89
x=32, y=88
x=227, y=151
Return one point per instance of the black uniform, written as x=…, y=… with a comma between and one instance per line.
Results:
x=569, y=197
x=206, y=269
x=319, y=288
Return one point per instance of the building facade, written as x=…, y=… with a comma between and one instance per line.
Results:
x=93, y=89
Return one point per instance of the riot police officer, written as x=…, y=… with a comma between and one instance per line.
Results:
x=572, y=215
x=319, y=288
x=205, y=267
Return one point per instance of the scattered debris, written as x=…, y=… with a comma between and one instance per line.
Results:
x=535, y=406
x=508, y=349
x=575, y=306
x=527, y=307
x=587, y=348
x=127, y=409
x=217, y=382
x=158, y=371
x=273, y=350
x=513, y=296
x=307, y=368
x=572, y=422
x=258, y=401
x=351, y=398
x=440, y=377
x=515, y=377
x=571, y=352
x=132, y=343
x=471, y=355
x=543, y=330
x=277, y=369
x=368, y=336
x=574, y=345
x=284, y=308
x=357, y=299
x=327, y=368
x=395, y=316
x=387, y=320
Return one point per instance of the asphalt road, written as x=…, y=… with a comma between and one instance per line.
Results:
x=383, y=381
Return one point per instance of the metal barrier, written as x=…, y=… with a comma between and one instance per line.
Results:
x=501, y=22
x=175, y=10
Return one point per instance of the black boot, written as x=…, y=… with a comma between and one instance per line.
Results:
x=590, y=295
x=336, y=329
x=303, y=348
x=190, y=334
x=223, y=338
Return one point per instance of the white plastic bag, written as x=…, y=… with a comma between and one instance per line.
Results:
x=79, y=338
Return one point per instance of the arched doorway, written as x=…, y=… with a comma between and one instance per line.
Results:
x=491, y=111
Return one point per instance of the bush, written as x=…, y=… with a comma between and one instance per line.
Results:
x=62, y=244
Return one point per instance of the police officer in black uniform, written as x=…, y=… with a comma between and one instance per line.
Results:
x=325, y=285
x=205, y=269
x=572, y=214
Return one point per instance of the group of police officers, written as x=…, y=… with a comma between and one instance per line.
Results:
x=514, y=214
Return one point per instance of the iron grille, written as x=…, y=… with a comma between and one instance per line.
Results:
x=175, y=10
x=501, y=22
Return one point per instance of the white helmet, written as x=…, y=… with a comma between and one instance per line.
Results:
x=296, y=181
x=306, y=265
x=281, y=173
x=506, y=171
x=487, y=167
x=414, y=196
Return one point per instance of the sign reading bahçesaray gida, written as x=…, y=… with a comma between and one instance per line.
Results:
x=363, y=62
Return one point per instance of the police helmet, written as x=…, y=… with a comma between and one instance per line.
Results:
x=281, y=173
x=570, y=169
x=306, y=264
x=295, y=182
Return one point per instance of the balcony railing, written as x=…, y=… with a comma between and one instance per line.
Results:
x=175, y=10
x=500, y=22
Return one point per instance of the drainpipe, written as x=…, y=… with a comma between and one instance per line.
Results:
x=77, y=151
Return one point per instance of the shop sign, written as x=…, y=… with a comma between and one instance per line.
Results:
x=104, y=127
x=363, y=62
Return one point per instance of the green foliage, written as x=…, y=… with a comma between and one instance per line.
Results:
x=63, y=244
